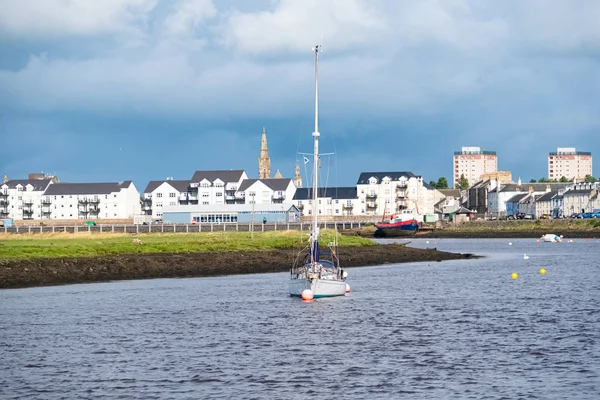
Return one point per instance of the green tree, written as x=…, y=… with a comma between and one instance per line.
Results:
x=532, y=181
x=442, y=183
x=543, y=180
x=589, y=178
x=433, y=184
x=564, y=179
x=463, y=182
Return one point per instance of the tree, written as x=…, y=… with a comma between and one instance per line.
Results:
x=463, y=182
x=589, y=178
x=543, y=180
x=564, y=179
x=532, y=181
x=433, y=184
x=442, y=183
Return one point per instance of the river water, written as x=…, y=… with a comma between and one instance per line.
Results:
x=454, y=329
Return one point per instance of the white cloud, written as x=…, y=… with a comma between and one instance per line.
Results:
x=55, y=18
x=186, y=16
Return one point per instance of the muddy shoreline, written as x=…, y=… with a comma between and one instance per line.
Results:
x=60, y=271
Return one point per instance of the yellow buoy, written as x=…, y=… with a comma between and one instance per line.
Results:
x=514, y=275
x=542, y=271
x=307, y=294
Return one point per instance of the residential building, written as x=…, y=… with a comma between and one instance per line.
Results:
x=449, y=204
x=264, y=161
x=581, y=197
x=384, y=193
x=159, y=194
x=543, y=204
x=472, y=162
x=266, y=191
x=500, y=196
x=333, y=201
x=569, y=163
x=110, y=200
x=22, y=198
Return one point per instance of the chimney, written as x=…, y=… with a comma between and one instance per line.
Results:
x=530, y=189
x=547, y=188
x=5, y=178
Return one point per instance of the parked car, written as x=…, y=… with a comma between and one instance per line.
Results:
x=529, y=216
x=90, y=223
x=575, y=215
x=586, y=215
x=596, y=214
x=520, y=215
x=544, y=216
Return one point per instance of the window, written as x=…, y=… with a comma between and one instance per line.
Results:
x=159, y=195
x=204, y=194
x=171, y=194
x=157, y=204
x=171, y=203
x=219, y=194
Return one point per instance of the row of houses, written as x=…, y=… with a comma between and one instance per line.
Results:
x=222, y=196
x=496, y=199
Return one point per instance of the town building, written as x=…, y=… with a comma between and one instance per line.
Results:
x=109, y=200
x=266, y=191
x=569, y=163
x=219, y=213
x=581, y=197
x=22, y=198
x=499, y=197
x=333, y=201
x=472, y=162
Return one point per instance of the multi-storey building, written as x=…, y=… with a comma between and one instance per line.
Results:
x=108, y=200
x=22, y=198
x=159, y=194
x=336, y=201
x=569, y=163
x=384, y=193
x=266, y=191
x=472, y=162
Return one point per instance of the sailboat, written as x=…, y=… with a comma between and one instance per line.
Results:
x=317, y=274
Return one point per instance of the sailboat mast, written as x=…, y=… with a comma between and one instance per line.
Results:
x=316, y=134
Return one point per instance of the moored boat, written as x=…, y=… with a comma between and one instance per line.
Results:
x=403, y=223
x=317, y=274
x=552, y=238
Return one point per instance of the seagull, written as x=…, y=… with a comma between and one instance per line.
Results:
x=510, y=243
x=525, y=257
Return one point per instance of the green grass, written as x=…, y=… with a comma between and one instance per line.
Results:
x=64, y=245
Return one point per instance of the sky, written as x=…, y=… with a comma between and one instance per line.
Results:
x=102, y=91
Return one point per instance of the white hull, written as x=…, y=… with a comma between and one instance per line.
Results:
x=551, y=238
x=319, y=287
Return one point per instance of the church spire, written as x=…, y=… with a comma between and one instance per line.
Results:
x=298, y=177
x=264, y=161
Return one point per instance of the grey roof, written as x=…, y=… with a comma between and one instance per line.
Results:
x=227, y=175
x=538, y=187
x=450, y=192
x=578, y=191
x=39, y=185
x=547, y=196
x=427, y=185
x=86, y=188
x=517, y=197
x=181, y=185
x=363, y=179
x=273, y=184
x=330, y=192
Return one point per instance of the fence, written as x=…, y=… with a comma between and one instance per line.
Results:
x=181, y=228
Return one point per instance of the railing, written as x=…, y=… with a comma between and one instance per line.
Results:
x=181, y=228
x=371, y=195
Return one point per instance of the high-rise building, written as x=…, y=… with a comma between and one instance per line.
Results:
x=264, y=161
x=570, y=163
x=473, y=162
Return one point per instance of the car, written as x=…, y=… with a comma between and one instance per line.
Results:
x=529, y=216
x=586, y=215
x=90, y=223
x=596, y=214
x=544, y=216
x=575, y=215
x=520, y=215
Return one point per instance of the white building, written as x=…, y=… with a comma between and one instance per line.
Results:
x=159, y=194
x=569, y=163
x=22, y=198
x=382, y=193
x=472, y=162
x=334, y=201
x=110, y=200
x=581, y=197
x=266, y=191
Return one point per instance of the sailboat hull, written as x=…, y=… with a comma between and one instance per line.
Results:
x=319, y=287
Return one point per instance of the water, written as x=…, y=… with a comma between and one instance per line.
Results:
x=459, y=329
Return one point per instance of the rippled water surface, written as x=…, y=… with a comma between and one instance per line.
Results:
x=456, y=329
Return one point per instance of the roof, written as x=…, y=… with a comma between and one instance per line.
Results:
x=538, y=187
x=181, y=185
x=39, y=185
x=330, y=192
x=427, y=185
x=273, y=183
x=227, y=175
x=547, y=196
x=578, y=191
x=200, y=208
x=450, y=192
x=517, y=197
x=363, y=179
x=86, y=188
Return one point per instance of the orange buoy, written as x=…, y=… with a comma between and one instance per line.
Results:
x=347, y=288
x=307, y=294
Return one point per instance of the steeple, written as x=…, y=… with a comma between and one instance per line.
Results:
x=264, y=161
x=298, y=177
x=5, y=178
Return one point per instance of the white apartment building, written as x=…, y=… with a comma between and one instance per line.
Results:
x=473, y=162
x=382, y=193
x=108, y=200
x=159, y=194
x=570, y=163
x=22, y=198
x=335, y=201
x=266, y=191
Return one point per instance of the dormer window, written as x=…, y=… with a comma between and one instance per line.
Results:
x=372, y=180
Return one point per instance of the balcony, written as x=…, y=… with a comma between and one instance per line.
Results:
x=229, y=197
x=278, y=196
x=46, y=202
x=94, y=210
x=83, y=201
x=27, y=203
x=240, y=195
x=183, y=197
x=401, y=193
x=147, y=207
x=401, y=184
x=371, y=195
x=3, y=203
x=347, y=206
x=94, y=202
x=28, y=212
x=3, y=195
x=3, y=213
x=371, y=205
x=46, y=212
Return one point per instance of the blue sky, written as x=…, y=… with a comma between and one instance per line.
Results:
x=144, y=89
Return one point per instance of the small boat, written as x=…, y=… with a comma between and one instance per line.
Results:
x=549, y=237
x=402, y=223
x=317, y=274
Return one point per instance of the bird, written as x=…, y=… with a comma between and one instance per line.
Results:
x=525, y=257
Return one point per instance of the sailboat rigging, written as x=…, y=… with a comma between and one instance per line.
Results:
x=317, y=275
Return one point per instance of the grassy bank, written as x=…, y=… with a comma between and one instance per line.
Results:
x=67, y=245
